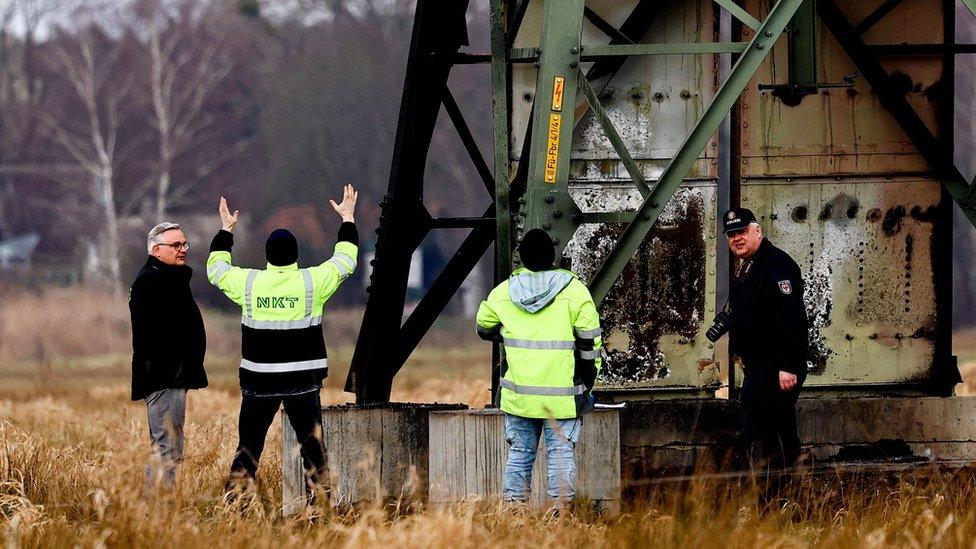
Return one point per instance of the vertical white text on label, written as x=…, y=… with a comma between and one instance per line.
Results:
x=552, y=147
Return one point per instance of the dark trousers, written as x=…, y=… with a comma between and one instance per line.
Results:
x=768, y=435
x=304, y=412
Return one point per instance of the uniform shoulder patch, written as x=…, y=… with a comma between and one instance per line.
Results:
x=785, y=287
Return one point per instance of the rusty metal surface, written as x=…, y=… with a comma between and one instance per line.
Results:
x=839, y=186
x=842, y=131
x=865, y=249
x=655, y=317
x=653, y=101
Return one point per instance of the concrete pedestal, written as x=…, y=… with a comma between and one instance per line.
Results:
x=468, y=452
x=662, y=437
x=373, y=452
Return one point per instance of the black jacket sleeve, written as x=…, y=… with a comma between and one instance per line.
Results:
x=789, y=319
x=348, y=233
x=151, y=364
x=223, y=241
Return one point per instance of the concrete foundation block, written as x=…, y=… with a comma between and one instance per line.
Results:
x=468, y=452
x=372, y=451
x=662, y=437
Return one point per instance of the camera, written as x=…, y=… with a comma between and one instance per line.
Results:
x=721, y=324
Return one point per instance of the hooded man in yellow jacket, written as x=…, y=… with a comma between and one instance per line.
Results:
x=550, y=329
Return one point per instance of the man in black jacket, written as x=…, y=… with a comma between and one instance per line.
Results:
x=168, y=346
x=769, y=332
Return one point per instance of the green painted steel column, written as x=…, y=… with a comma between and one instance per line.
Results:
x=671, y=178
x=547, y=203
x=803, y=49
x=500, y=132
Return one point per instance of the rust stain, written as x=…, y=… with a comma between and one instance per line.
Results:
x=661, y=291
x=893, y=220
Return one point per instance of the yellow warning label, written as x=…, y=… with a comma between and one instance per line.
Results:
x=557, y=93
x=552, y=146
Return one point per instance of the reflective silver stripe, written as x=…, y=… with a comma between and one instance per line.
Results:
x=589, y=334
x=342, y=255
x=542, y=391
x=529, y=344
x=275, y=367
x=590, y=355
x=281, y=324
x=217, y=270
x=340, y=265
x=309, y=292
x=248, y=286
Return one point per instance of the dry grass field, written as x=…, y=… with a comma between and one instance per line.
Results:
x=73, y=450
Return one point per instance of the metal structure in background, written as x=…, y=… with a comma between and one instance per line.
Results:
x=604, y=116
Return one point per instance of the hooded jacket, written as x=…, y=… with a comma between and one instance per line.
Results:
x=550, y=330
x=168, y=337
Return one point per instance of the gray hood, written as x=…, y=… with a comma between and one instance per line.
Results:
x=533, y=291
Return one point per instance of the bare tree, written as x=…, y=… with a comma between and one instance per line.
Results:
x=20, y=93
x=187, y=64
x=91, y=139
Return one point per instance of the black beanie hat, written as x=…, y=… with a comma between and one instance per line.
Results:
x=537, y=250
x=281, y=248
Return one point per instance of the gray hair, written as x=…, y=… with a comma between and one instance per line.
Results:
x=156, y=233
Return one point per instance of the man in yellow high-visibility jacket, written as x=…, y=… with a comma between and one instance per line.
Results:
x=550, y=329
x=283, y=356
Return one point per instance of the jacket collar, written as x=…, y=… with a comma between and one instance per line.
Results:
x=153, y=263
x=292, y=267
x=765, y=247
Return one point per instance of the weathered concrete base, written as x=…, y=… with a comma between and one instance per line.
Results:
x=468, y=452
x=372, y=451
x=682, y=436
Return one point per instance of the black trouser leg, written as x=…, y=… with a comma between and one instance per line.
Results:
x=305, y=415
x=784, y=425
x=257, y=413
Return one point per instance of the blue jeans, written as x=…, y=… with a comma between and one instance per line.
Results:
x=167, y=411
x=522, y=435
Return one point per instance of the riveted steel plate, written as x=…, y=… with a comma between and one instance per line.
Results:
x=655, y=317
x=865, y=249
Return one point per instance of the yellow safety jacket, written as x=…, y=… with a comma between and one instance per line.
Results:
x=282, y=346
x=553, y=352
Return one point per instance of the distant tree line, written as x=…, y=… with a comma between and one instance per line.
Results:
x=116, y=115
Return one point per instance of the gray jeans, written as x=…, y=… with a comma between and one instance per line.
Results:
x=167, y=412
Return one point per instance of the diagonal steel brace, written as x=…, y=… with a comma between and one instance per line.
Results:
x=681, y=164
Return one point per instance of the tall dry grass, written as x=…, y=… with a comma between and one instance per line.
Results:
x=73, y=450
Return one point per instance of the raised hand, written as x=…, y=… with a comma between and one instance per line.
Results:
x=347, y=209
x=227, y=221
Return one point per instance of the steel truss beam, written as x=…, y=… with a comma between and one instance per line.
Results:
x=911, y=123
x=971, y=6
x=618, y=144
x=938, y=154
x=743, y=71
x=877, y=15
x=383, y=345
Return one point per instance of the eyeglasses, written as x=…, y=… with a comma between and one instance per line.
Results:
x=177, y=245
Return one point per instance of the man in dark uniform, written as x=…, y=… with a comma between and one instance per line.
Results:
x=769, y=334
